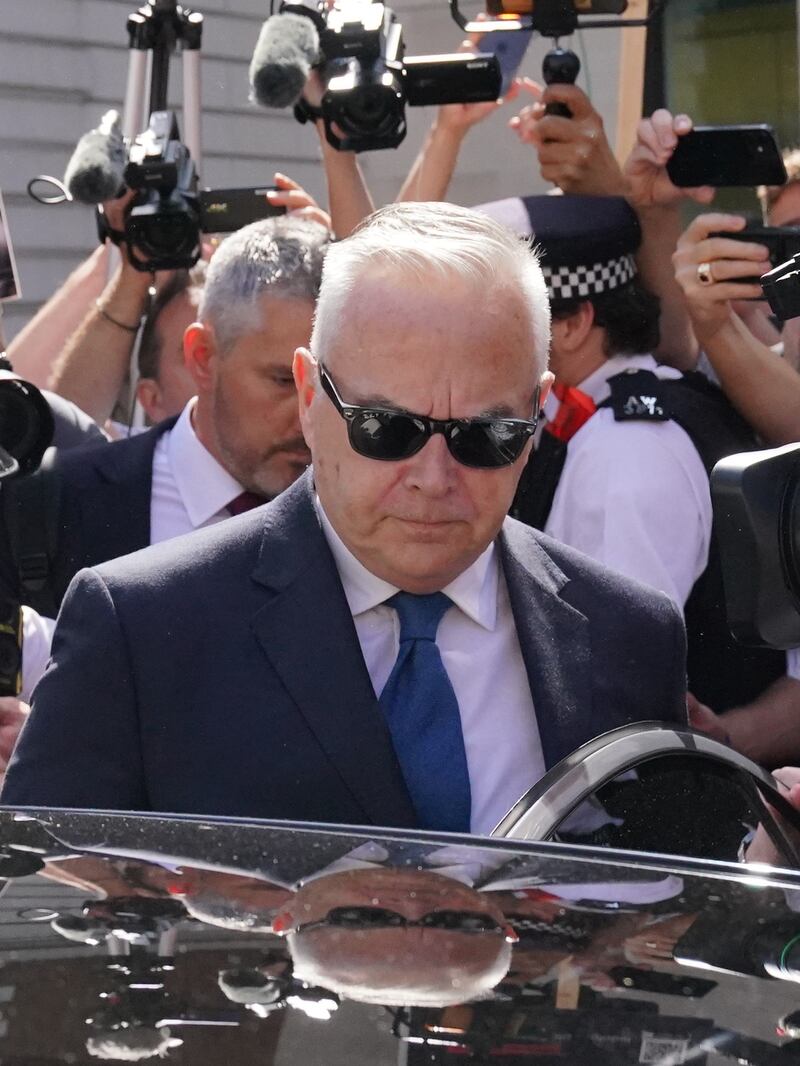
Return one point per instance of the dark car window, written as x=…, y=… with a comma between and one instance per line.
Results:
x=674, y=805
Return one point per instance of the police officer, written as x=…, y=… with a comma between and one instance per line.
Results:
x=621, y=465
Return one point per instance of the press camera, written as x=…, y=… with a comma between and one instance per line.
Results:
x=756, y=498
x=368, y=80
x=164, y=227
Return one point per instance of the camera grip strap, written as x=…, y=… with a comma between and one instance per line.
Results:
x=30, y=512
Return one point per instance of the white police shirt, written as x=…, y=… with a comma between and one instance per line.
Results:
x=634, y=495
x=478, y=642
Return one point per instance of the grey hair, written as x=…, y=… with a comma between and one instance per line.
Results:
x=281, y=256
x=429, y=240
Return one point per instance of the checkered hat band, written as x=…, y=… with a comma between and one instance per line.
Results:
x=575, y=283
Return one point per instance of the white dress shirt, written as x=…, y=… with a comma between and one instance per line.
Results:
x=477, y=639
x=37, y=636
x=189, y=490
x=634, y=495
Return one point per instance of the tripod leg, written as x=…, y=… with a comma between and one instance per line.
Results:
x=133, y=111
x=192, y=107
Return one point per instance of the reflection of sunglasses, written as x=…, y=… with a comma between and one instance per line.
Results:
x=382, y=433
x=362, y=918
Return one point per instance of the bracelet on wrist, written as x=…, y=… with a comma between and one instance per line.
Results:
x=115, y=321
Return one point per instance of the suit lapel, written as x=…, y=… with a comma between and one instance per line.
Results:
x=307, y=633
x=554, y=639
x=122, y=524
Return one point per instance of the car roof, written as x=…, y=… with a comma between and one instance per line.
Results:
x=123, y=937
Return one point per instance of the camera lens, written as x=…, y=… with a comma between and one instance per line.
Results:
x=373, y=109
x=167, y=234
x=26, y=422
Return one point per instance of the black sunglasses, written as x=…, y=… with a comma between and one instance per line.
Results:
x=365, y=918
x=381, y=433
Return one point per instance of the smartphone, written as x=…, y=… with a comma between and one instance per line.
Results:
x=9, y=278
x=226, y=210
x=726, y=156
x=783, y=243
x=510, y=47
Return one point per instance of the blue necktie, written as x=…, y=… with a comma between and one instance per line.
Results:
x=422, y=713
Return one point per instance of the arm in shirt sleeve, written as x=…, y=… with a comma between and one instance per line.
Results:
x=80, y=746
x=37, y=637
x=635, y=497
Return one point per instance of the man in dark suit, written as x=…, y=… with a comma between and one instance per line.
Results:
x=380, y=644
x=236, y=444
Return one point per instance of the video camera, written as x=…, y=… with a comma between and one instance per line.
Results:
x=26, y=425
x=359, y=54
x=170, y=214
x=756, y=500
x=782, y=289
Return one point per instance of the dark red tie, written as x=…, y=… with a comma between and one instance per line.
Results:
x=246, y=501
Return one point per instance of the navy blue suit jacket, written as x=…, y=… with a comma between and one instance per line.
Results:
x=220, y=673
x=103, y=509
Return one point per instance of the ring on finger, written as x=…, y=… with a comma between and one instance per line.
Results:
x=704, y=275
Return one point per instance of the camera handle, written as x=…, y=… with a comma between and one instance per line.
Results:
x=560, y=67
x=154, y=33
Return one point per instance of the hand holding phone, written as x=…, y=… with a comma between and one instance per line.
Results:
x=648, y=180
x=782, y=243
x=713, y=269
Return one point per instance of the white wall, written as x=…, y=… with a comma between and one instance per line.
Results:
x=64, y=62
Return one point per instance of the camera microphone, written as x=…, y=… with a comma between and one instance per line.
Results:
x=95, y=172
x=286, y=50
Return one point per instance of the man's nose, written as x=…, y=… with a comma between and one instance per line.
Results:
x=433, y=469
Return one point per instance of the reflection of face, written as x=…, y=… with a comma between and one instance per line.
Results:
x=397, y=965
x=439, y=348
x=254, y=402
x=174, y=386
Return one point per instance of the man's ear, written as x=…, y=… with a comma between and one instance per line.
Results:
x=148, y=393
x=575, y=328
x=304, y=369
x=545, y=385
x=199, y=353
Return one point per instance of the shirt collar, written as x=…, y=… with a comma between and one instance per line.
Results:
x=595, y=385
x=205, y=486
x=474, y=591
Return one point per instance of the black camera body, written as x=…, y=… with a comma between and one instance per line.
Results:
x=756, y=499
x=362, y=46
x=369, y=80
x=782, y=289
x=171, y=213
x=164, y=222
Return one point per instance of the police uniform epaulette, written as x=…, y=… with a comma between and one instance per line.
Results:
x=637, y=396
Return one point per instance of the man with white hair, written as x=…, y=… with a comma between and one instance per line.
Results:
x=380, y=644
